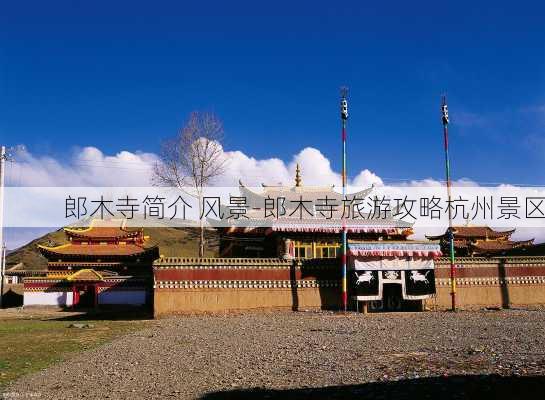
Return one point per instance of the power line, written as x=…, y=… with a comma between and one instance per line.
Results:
x=480, y=183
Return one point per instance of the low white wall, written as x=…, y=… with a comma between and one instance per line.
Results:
x=60, y=299
x=130, y=297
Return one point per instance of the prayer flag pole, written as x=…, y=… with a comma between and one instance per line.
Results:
x=344, y=117
x=445, y=120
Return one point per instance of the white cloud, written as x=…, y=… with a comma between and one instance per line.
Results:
x=316, y=170
x=367, y=178
x=315, y=167
x=252, y=171
x=89, y=166
x=529, y=233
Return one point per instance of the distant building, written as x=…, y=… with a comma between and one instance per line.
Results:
x=15, y=274
x=470, y=241
x=99, y=266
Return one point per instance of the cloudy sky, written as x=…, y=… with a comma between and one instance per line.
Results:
x=89, y=166
x=91, y=88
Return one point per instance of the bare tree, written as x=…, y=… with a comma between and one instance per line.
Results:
x=193, y=158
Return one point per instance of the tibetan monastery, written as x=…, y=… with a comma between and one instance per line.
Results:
x=471, y=241
x=381, y=258
x=102, y=265
x=289, y=261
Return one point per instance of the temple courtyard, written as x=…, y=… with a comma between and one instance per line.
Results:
x=278, y=355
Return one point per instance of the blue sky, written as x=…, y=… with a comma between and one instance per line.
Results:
x=122, y=75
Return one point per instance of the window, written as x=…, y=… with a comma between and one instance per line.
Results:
x=316, y=250
x=327, y=250
x=303, y=250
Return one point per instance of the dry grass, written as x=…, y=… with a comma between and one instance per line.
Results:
x=31, y=341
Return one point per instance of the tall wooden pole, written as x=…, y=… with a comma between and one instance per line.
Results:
x=2, y=275
x=3, y=157
x=445, y=119
x=344, y=117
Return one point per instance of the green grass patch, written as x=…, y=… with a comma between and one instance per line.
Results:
x=27, y=346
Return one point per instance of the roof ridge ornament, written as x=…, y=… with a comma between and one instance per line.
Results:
x=298, y=180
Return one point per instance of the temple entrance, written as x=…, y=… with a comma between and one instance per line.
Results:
x=393, y=298
x=84, y=296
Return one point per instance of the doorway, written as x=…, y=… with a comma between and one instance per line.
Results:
x=392, y=297
x=84, y=296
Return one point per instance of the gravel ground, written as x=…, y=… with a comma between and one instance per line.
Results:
x=310, y=355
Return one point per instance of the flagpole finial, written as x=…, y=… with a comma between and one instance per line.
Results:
x=344, y=103
x=444, y=110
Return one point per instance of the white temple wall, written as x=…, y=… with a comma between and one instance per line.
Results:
x=59, y=299
x=131, y=297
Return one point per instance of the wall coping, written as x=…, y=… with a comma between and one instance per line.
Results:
x=493, y=260
x=195, y=261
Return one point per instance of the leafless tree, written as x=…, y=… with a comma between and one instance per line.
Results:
x=193, y=158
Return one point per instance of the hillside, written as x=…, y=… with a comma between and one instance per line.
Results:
x=180, y=242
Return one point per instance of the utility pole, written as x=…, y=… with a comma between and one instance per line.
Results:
x=445, y=120
x=3, y=157
x=344, y=117
x=2, y=274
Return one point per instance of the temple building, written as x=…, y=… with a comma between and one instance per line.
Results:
x=471, y=241
x=305, y=223
x=102, y=265
x=280, y=247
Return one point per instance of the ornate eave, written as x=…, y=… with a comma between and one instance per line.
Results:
x=395, y=249
x=85, y=275
x=320, y=225
x=473, y=233
x=257, y=199
x=109, y=251
x=494, y=246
